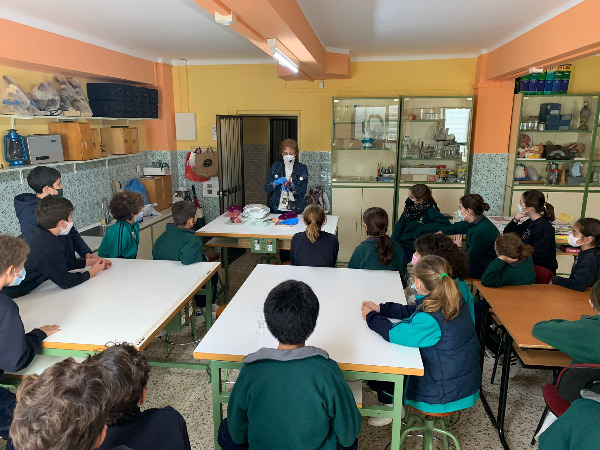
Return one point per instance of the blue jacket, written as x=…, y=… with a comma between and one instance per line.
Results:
x=25, y=205
x=299, y=178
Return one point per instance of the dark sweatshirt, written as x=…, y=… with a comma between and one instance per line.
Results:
x=406, y=231
x=585, y=271
x=322, y=253
x=162, y=428
x=17, y=348
x=25, y=205
x=540, y=234
x=500, y=273
x=46, y=261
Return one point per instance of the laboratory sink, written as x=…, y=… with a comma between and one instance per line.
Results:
x=97, y=231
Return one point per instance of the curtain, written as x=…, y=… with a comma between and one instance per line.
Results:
x=281, y=129
x=229, y=145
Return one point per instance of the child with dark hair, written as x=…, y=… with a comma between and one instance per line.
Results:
x=123, y=237
x=540, y=234
x=314, y=247
x=292, y=384
x=514, y=264
x=441, y=325
x=46, y=261
x=65, y=407
x=17, y=348
x=46, y=181
x=481, y=233
x=378, y=251
x=421, y=215
x=586, y=268
x=127, y=371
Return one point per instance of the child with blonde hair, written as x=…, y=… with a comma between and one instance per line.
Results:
x=441, y=326
x=314, y=247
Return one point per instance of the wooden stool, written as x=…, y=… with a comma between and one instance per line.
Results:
x=220, y=310
x=428, y=428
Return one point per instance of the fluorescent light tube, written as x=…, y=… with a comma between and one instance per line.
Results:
x=281, y=57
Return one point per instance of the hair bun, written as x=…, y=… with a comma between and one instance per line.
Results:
x=486, y=207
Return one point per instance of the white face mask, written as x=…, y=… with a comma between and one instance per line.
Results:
x=573, y=241
x=66, y=230
x=289, y=159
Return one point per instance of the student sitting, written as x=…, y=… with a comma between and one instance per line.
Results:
x=577, y=338
x=514, y=264
x=314, y=247
x=537, y=230
x=480, y=231
x=292, y=396
x=378, y=251
x=17, y=348
x=47, y=258
x=122, y=238
x=586, y=268
x=46, y=181
x=440, y=245
x=442, y=327
x=65, y=407
x=180, y=243
x=127, y=371
x=421, y=216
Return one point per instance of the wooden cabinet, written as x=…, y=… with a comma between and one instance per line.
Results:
x=159, y=191
x=120, y=140
x=349, y=203
x=592, y=207
x=146, y=244
x=76, y=140
x=564, y=201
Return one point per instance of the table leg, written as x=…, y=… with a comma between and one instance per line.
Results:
x=397, y=413
x=215, y=371
x=483, y=332
x=225, y=261
x=506, y=350
x=209, y=297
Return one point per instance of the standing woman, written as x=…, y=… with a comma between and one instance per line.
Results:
x=537, y=230
x=421, y=216
x=481, y=233
x=287, y=180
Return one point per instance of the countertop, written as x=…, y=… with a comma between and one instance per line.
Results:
x=94, y=241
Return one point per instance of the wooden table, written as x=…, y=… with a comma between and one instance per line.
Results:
x=341, y=331
x=228, y=235
x=130, y=302
x=519, y=308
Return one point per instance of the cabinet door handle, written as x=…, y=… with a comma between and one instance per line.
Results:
x=355, y=226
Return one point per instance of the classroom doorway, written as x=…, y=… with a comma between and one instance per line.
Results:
x=248, y=145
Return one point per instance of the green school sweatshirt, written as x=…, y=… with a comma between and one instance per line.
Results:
x=294, y=400
x=481, y=236
x=500, y=273
x=178, y=244
x=120, y=241
x=577, y=428
x=405, y=232
x=365, y=257
x=577, y=338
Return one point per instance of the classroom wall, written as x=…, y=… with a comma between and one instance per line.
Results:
x=255, y=89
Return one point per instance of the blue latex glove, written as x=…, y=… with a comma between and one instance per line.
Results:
x=280, y=181
x=293, y=221
x=286, y=189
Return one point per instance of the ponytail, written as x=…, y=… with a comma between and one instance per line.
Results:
x=314, y=217
x=434, y=273
x=511, y=245
x=535, y=199
x=376, y=220
x=549, y=212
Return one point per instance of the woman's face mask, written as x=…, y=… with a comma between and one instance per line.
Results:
x=289, y=159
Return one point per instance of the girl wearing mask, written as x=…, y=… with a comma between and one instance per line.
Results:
x=287, y=181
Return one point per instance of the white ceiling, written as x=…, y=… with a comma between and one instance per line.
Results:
x=166, y=30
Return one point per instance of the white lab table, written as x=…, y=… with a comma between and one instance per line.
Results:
x=340, y=330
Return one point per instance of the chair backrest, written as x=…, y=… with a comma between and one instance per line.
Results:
x=542, y=275
x=576, y=377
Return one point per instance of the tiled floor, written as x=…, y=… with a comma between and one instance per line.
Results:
x=189, y=392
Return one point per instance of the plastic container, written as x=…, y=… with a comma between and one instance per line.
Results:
x=234, y=210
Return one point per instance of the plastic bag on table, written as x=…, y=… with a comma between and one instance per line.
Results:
x=46, y=98
x=255, y=211
x=14, y=100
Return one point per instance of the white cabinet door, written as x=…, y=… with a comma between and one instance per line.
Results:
x=447, y=199
x=592, y=208
x=145, y=246
x=565, y=263
x=381, y=197
x=158, y=229
x=566, y=202
x=346, y=204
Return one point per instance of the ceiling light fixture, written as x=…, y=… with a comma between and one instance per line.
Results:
x=281, y=57
x=225, y=20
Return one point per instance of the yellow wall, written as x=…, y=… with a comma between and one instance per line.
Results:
x=255, y=89
x=585, y=76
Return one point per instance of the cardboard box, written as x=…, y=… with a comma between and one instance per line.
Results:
x=76, y=140
x=159, y=191
x=120, y=140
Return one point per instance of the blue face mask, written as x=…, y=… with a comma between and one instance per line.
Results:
x=413, y=287
x=520, y=208
x=139, y=217
x=18, y=277
x=459, y=215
